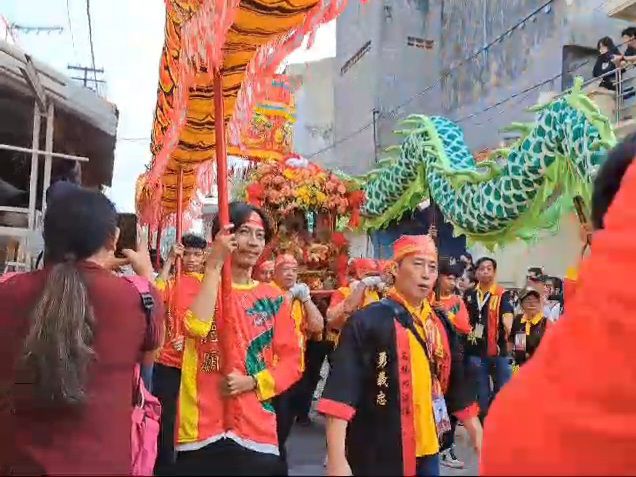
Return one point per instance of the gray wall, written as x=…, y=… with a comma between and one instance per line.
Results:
x=356, y=91
x=314, y=128
x=393, y=72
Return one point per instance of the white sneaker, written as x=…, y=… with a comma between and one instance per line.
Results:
x=449, y=459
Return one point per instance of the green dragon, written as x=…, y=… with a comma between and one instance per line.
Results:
x=515, y=193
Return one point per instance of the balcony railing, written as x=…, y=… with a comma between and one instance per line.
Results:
x=618, y=105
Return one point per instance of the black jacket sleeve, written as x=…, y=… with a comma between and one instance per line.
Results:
x=462, y=389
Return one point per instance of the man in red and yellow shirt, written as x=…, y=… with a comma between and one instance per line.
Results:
x=167, y=368
x=309, y=322
x=362, y=291
x=235, y=360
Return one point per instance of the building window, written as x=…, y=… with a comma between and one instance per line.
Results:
x=577, y=61
x=420, y=42
x=356, y=57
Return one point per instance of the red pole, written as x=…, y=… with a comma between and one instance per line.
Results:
x=179, y=225
x=222, y=191
x=221, y=174
x=158, y=246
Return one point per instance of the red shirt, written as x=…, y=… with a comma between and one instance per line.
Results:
x=96, y=437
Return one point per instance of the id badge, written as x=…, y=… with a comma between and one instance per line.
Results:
x=478, y=331
x=520, y=342
x=442, y=421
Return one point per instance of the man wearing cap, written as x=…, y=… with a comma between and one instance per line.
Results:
x=491, y=312
x=395, y=376
x=537, y=280
x=529, y=327
x=309, y=322
x=362, y=291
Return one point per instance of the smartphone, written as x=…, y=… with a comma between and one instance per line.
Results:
x=580, y=209
x=127, y=224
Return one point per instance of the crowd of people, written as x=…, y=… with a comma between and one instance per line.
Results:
x=416, y=346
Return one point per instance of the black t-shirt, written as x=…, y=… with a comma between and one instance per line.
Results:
x=532, y=340
x=630, y=51
x=478, y=313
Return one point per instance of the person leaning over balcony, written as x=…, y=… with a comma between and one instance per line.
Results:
x=609, y=56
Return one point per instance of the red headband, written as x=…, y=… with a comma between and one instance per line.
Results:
x=361, y=266
x=267, y=264
x=385, y=265
x=414, y=244
x=286, y=259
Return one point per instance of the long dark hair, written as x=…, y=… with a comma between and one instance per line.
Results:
x=58, y=348
x=608, y=43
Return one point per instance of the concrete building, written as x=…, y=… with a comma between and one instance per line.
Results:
x=479, y=62
x=315, y=114
x=409, y=56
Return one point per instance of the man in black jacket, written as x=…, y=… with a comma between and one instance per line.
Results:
x=397, y=374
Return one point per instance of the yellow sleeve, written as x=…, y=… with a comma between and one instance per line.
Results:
x=194, y=327
x=265, y=385
x=161, y=285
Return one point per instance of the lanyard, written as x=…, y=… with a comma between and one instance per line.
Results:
x=482, y=302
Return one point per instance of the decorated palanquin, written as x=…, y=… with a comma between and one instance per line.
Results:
x=311, y=207
x=245, y=42
x=269, y=135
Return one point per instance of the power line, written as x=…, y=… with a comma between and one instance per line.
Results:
x=474, y=55
x=70, y=25
x=509, y=98
x=90, y=37
x=443, y=76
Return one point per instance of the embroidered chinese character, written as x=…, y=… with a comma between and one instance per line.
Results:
x=382, y=359
x=383, y=380
x=381, y=399
x=210, y=362
x=212, y=336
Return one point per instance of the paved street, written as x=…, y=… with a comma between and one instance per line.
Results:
x=306, y=450
x=306, y=445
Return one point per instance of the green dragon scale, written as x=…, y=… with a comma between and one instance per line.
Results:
x=515, y=193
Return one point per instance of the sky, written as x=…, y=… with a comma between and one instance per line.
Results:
x=127, y=38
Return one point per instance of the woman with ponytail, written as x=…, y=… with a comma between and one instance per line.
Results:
x=70, y=337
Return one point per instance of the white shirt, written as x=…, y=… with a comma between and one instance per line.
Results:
x=552, y=311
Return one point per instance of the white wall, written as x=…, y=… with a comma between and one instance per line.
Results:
x=555, y=253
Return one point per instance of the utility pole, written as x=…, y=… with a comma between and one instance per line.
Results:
x=88, y=81
x=376, y=115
